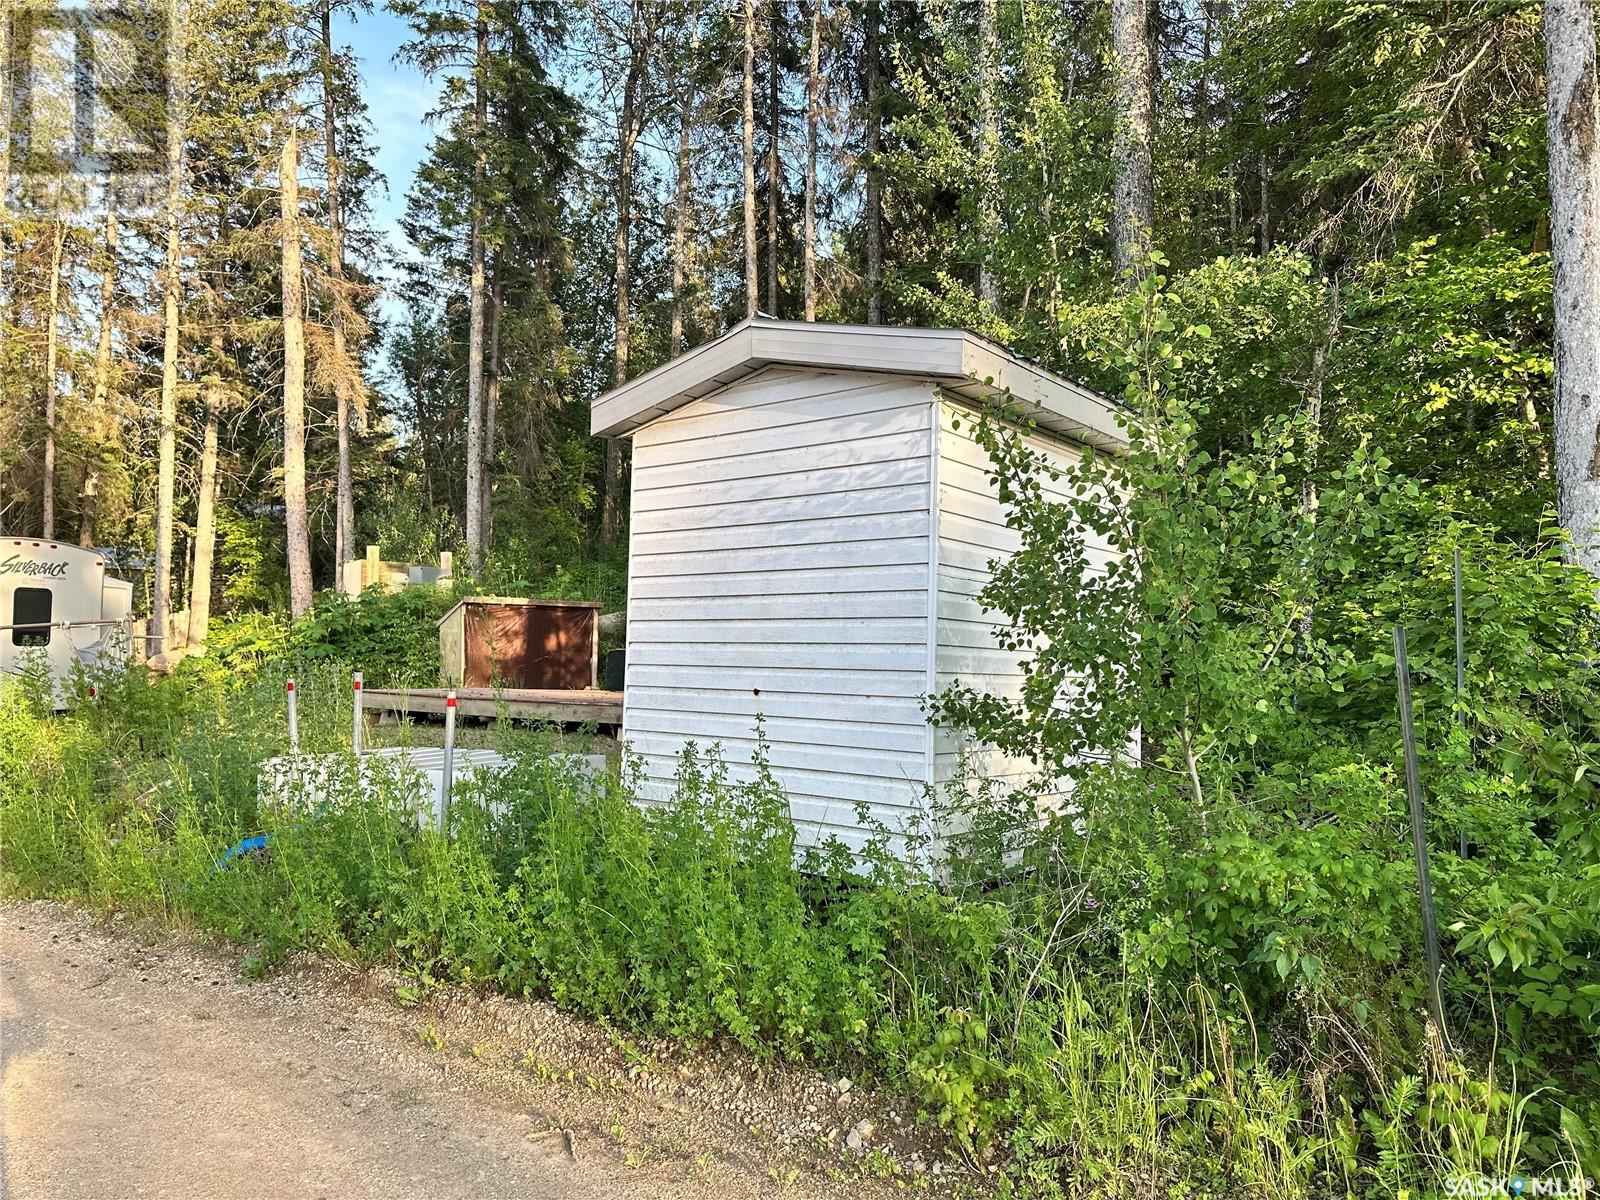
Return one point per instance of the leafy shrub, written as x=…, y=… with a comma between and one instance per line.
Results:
x=1222, y=702
x=1004, y=1002
x=390, y=635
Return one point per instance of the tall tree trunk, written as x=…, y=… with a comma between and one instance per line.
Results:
x=1263, y=178
x=1133, y=198
x=774, y=167
x=343, y=385
x=873, y=217
x=627, y=136
x=205, y=514
x=491, y=404
x=1574, y=126
x=1046, y=209
x=52, y=355
x=751, y=291
x=813, y=124
x=419, y=416
x=475, y=319
x=205, y=524
x=683, y=199
x=86, y=514
x=1202, y=100
x=184, y=557
x=546, y=339
x=167, y=444
x=6, y=107
x=988, y=143
x=1309, y=496
x=294, y=375
x=100, y=397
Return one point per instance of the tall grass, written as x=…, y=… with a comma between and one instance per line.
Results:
x=1022, y=1039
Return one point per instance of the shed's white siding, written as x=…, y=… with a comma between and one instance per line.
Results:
x=779, y=563
x=972, y=535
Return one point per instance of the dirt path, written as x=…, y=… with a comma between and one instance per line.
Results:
x=142, y=1066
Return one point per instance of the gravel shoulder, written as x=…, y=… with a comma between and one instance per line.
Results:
x=142, y=1063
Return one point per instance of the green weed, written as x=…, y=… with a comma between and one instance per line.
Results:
x=997, y=1001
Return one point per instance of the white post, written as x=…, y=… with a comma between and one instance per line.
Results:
x=355, y=727
x=294, y=719
x=448, y=778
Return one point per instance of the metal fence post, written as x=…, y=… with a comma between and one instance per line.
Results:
x=1419, y=840
x=355, y=726
x=447, y=778
x=294, y=718
x=1461, y=679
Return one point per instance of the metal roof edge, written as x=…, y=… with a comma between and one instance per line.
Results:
x=946, y=354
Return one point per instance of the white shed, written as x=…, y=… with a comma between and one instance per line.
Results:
x=57, y=603
x=809, y=534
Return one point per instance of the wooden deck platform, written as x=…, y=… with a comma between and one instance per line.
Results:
x=522, y=704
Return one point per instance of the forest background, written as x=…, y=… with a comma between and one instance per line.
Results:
x=216, y=358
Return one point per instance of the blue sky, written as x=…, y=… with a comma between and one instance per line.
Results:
x=398, y=99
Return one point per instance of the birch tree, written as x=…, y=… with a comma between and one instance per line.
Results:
x=751, y=292
x=475, y=318
x=774, y=159
x=52, y=370
x=1573, y=125
x=872, y=218
x=215, y=395
x=100, y=397
x=1134, y=205
x=205, y=506
x=491, y=396
x=637, y=42
x=685, y=77
x=527, y=142
x=988, y=144
x=294, y=370
x=808, y=265
x=171, y=292
x=346, y=377
x=455, y=39
x=6, y=102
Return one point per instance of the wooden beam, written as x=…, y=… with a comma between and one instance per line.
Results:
x=528, y=704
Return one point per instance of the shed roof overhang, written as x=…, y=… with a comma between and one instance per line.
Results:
x=954, y=360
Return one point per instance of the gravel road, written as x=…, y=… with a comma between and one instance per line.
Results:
x=139, y=1064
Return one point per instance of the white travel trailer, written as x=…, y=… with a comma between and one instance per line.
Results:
x=813, y=525
x=58, y=606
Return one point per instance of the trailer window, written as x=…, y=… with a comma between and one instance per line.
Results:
x=31, y=607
